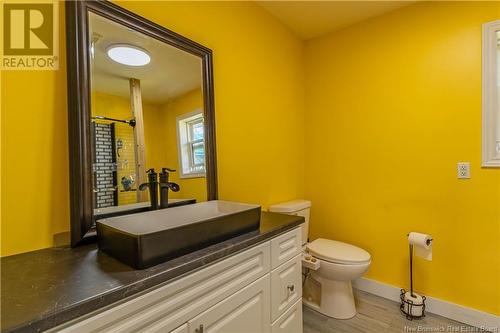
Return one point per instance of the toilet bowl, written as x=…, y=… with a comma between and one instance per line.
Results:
x=328, y=288
x=340, y=263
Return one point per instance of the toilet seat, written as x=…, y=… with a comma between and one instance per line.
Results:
x=338, y=252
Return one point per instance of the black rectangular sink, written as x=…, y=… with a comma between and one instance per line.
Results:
x=139, y=207
x=146, y=239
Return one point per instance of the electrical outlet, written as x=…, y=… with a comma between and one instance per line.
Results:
x=463, y=170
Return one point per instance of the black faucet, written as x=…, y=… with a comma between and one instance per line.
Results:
x=165, y=185
x=152, y=184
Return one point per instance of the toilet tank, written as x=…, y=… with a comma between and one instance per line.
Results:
x=295, y=207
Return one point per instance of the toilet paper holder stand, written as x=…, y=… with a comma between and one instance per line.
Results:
x=409, y=308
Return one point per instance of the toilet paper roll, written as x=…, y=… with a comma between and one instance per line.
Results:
x=413, y=304
x=422, y=243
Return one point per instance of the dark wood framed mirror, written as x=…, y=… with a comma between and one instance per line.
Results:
x=94, y=29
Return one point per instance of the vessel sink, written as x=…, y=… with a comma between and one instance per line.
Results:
x=146, y=239
x=139, y=207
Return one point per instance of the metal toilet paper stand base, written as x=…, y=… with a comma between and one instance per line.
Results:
x=410, y=309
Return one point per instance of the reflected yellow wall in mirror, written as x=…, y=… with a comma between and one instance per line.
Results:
x=190, y=187
x=161, y=142
x=259, y=103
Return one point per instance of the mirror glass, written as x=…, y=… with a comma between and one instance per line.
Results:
x=147, y=113
x=497, y=106
x=498, y=69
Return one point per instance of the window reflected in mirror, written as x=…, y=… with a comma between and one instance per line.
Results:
x=191, y=150
x=147, y=113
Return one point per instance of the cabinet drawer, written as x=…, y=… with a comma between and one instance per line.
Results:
x=247, y=311
x=166, y=308
x=290, y=321
x=286, y=286
x=285, y=247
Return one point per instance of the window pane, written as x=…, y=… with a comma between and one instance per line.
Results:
x=197, y=131
x=198, y=153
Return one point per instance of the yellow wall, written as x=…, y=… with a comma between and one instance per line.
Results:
x=393, y=104
x=34, y=171
x=190, y=187
x=154, y=136
x=259, y=98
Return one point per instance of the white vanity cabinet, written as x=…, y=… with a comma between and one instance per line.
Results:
x=256, y=290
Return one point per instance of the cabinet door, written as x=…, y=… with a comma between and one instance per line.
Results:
x=247, y=311
x=290, y=321
x=286, y=286
x=181, y=329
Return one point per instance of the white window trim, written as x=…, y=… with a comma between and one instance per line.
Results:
x=180, y=143
x=491, y=113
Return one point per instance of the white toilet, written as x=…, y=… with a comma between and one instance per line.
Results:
x=328, y=288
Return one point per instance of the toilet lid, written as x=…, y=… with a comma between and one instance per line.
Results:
x=337, y=252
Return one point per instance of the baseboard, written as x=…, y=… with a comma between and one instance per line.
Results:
x=469, y=316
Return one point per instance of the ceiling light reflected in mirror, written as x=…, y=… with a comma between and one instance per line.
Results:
x=128, y=55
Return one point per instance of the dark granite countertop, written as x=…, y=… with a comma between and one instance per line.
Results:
x=45, y=288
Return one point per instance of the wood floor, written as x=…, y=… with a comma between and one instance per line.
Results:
x=378, y=315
